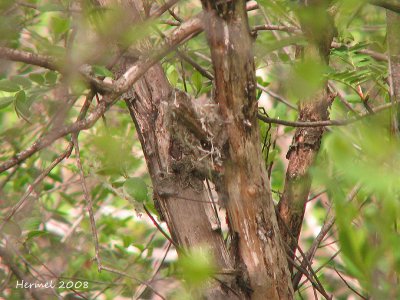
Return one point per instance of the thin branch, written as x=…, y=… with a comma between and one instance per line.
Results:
x=306, y=262
x=88, y=199
x=314, y=284
x=7, y=259
x=375, y=55
x=179, y=35
x=157, y=268
x=316, y=196
x=7, y=179
x=341, y=96
x=328, y=261
x=111, y=270
x=44, y=174
x=324, y=123
x=57, y=133
x=28, y=58
x=392, y=5
x=127, y=267
x=276, y=27
x=51, y=272
x=163, y=8
x=349, y=286
x=276, y=96
x=37, y=181
x=329, y=221
x=160, y=228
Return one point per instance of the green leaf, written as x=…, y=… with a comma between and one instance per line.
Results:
x=21, y=104
x=36, y=233
x=197, y=81
x=272, y=155
x=22, y=81
x=38, y=78
x=172, y=75
x=197, y=266
x=59, y=26
x=51, y=77
x=102, y=71
x=8, y=86
x=5, y=101
x=136, y=188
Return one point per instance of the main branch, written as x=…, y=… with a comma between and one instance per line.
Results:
x=260, y=254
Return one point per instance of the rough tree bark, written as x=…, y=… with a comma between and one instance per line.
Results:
x=260, y=254
x=393, y=42
x=306, y=141
x=171, y=126
x=179, y=192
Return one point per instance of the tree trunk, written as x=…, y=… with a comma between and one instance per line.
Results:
x=181, y=199
x=179, y=193
x=260, y=254
x=306, y=141
x=164, y=120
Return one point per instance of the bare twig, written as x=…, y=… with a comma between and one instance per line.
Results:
x=7, y=179
x=160, y=228
x=305, y=263
x=375, y=55
x=329, y=221
x=88, y=199
x=44, y=174
x=276, y=96
x=52, y=273
x=349, y=286
x=38, y=180
x=163, y=8
x=276, y=27
x=127, y=267
x=341, y=97
x=324, y=123
x=157, y=267
x=7, y=259
x=309, y=277
x=111, y=270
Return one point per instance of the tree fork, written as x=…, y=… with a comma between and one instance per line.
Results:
x=149, y=101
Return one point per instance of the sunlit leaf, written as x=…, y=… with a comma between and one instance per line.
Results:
x=8, y=86
x=197, y=267
x=136, y=188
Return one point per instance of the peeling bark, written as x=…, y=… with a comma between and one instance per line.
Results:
x=259, y=253
x=179, y=193
x=306, y=141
